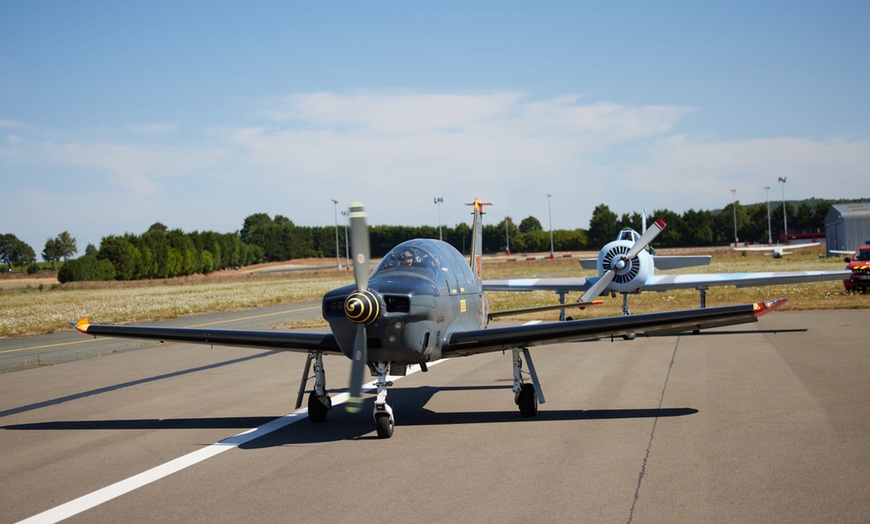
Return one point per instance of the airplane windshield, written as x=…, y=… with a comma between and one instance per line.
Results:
x=628, y=234
x=414, y=257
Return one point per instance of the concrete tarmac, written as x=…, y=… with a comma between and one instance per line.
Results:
x=763, y=422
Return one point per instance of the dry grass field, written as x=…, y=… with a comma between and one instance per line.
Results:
x=41, y=305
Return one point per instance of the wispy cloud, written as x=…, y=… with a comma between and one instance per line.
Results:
x=155, y=128
x=506, y=146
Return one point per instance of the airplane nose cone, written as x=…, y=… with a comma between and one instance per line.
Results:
x=362, y=307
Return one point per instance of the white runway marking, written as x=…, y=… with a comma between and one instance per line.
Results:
x=94, y=499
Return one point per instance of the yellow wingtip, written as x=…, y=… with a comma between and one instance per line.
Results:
x=83, y=324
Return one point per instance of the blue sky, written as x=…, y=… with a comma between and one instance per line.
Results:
x=116, y=115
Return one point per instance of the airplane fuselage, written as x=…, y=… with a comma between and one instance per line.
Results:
x=424, y=290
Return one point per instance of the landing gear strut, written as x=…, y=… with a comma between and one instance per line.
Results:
x=526, y=396
x=626, y=311
x=383, y=414
x=319, y=402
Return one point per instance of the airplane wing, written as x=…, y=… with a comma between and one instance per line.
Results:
x=759, y=248
x=661, y=261
x=677, y=262
x=778, y=247
x=668, y=282
x=589, y=263
x=300, y=342
x=535, y=284
x=774, y=278
x=466, y=343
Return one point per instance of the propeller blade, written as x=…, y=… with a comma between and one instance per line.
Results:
x=599, y=286
x=359, y=245
x=646, y=238
x=357, y=370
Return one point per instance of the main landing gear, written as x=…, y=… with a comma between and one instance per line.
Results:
x=526, y=396
x=319, y=402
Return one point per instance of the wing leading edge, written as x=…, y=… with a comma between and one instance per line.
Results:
x=466, y=343
x=668, y=282
x=257, y=339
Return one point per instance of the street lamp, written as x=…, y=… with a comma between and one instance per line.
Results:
x=507, y=237
x=550, y=212
x=767, y=192
x=734, y=207
x=337, y=261
x=438, y=202
x=784, y=217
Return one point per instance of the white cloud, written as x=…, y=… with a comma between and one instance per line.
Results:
x=395, y=151
x=155, y=128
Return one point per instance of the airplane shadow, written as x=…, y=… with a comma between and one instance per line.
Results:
x=730, y=333
x=132, y=383
x=408, y=404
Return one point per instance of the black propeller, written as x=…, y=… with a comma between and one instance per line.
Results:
x=361, y=306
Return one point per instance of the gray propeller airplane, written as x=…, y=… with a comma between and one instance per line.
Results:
x=424, y=302
x=623, y=268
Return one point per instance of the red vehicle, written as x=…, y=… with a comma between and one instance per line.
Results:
x=860, y=266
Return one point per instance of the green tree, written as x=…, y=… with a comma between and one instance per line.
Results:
x=85, y=269
x=15, y=252
x=121, y=254
x=529, y=224
x=603, y=226
x=66, y=245
x=51, y=252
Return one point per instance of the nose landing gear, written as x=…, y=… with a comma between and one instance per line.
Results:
x=384, y=422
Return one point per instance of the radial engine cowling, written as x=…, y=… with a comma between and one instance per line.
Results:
x=635, y=271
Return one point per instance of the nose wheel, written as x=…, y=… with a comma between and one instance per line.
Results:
x=384, y=421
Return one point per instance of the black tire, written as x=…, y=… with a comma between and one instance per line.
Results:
x=384, y=425
x=317, y=410
x=528, y=401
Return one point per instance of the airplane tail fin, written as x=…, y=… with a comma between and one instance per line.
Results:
x=477, y=235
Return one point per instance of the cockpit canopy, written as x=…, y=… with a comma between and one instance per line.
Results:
x=628, y=234
x=431, y=259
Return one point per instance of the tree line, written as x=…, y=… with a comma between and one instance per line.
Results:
x=163, y=253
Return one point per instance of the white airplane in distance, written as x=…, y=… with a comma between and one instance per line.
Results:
x=778, y=250
x=623, y=268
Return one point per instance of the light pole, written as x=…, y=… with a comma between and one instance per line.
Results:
x=550, y=212
x=767, y=192
x=734, y=207
x=346, y=246
x=438, y=202
x=784, y=217
x=337, y=261
x=507, y=237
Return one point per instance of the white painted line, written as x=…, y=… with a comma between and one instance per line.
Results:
x=95, y=498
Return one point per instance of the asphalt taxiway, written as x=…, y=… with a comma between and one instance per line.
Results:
x=762, y=422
